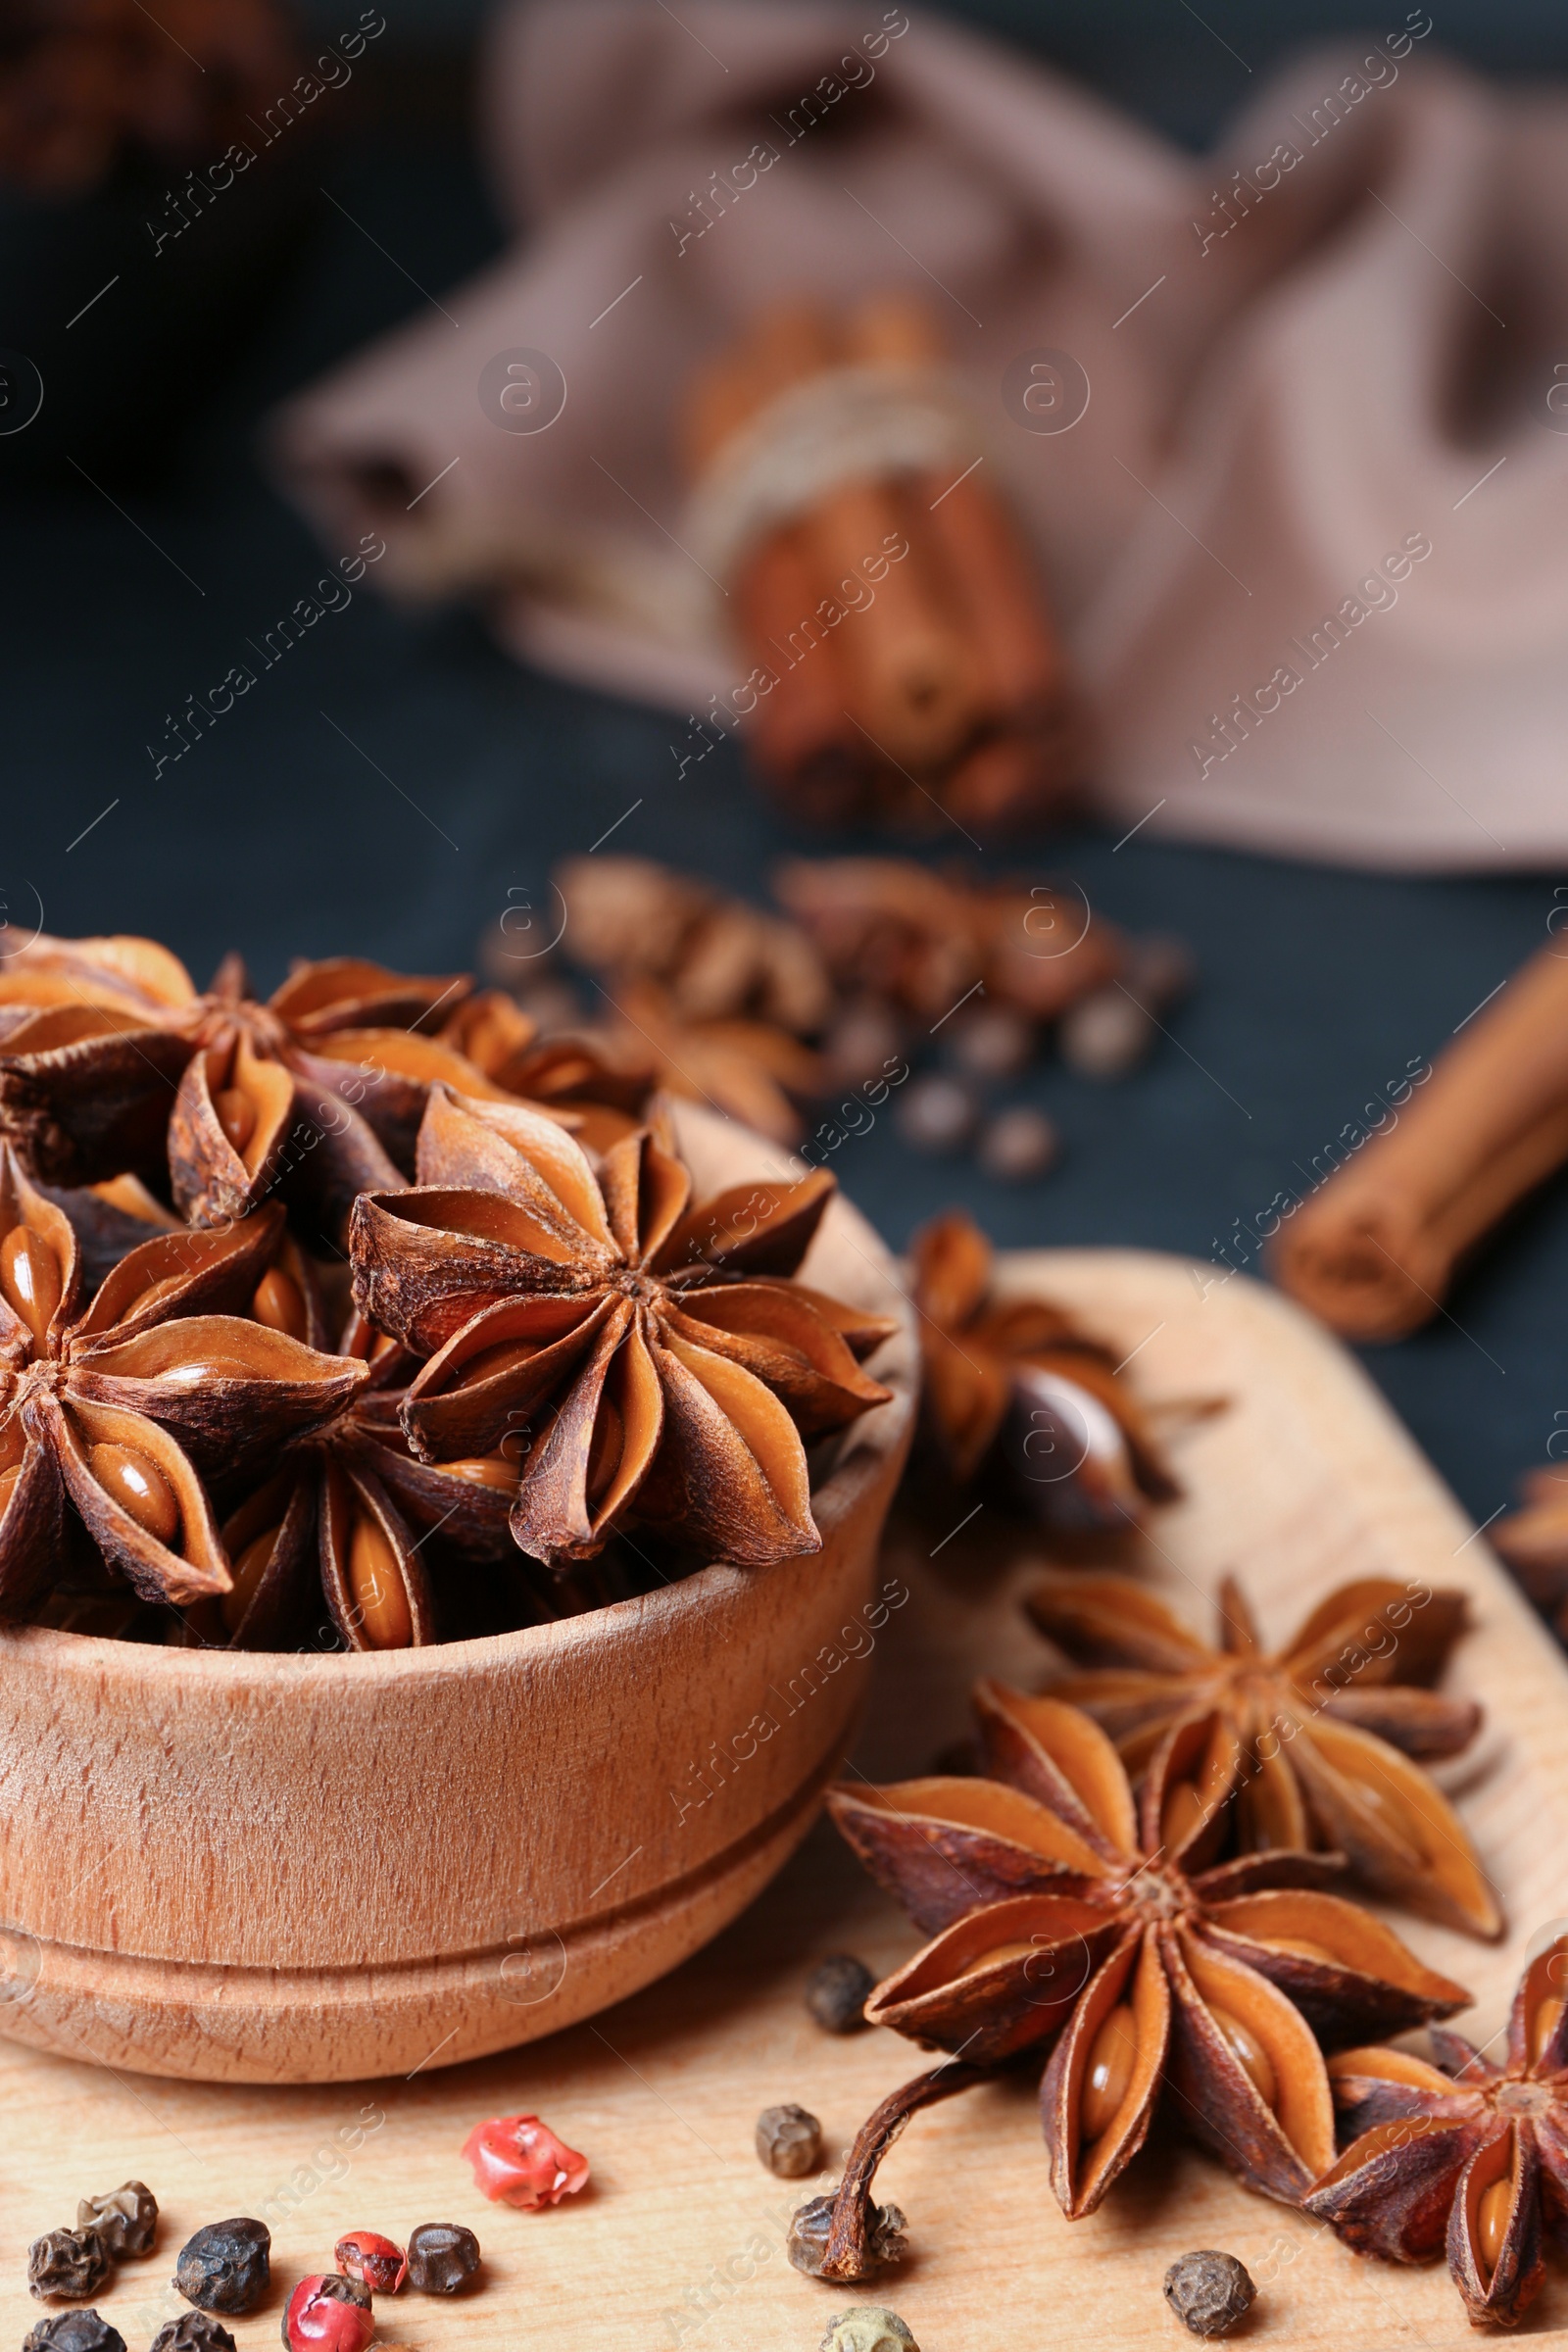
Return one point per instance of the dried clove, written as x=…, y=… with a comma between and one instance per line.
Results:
x=837, y=1992
x=441, y=2256
x=125, y=2221
x=1208, y=2292
x=226, y=2266
x=67, y=2266
x=789, y=2141
x=885, y=2243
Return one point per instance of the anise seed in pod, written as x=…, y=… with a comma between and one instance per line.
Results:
x=1209, y=2292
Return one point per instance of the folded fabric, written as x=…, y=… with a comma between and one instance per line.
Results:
x=1286, y=426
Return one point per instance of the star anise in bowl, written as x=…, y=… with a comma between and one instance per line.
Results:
x=1328, y=1730
x=1022, y=1398
x=1065, y=1912
x=644, y=1357
x=1465, y=2156
x=180, y=1365
x=110, y=1060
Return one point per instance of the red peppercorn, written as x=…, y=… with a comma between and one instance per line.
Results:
x=377, y=2262
x=518, y=2160
x=328, y=2314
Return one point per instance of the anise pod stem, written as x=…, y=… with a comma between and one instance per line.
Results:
x=848, y=2257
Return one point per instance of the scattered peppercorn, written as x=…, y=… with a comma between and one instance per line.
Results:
x=1106, y=1035
x=837, y=1992
x=377, y=2262
x=869, y=2328
x=193, y=2332
x=994, y=1041
x=124, y=2221
x=789, y=2141
x=75, y=2332
x=806, y=2245
x=937, y=1113
x=441, y=2256
x=328, y=2312
x=67, y=2266
x=1209, y=2291
x=1018, y=1144
x=226, y=2266
x=518, y=2160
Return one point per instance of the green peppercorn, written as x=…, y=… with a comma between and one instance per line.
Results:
x=67, y=2266
x=837, y=1992
x=1208, y=2292
x=789, y=2141
x=869, y=2328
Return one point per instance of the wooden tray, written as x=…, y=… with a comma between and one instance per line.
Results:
x=1305, y=1480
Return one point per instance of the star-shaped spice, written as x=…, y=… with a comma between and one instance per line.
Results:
x=110, y=1060
x=334, y=1524
x=180, y=1365
x=1062, y=1911
x=641, y=1354
x=1326, y=1728
x=1465, y=2156
x=1017, y=1391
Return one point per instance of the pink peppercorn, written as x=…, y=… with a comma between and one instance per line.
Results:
x=327, y=2313
x=377, y=2262
x=518, y=2161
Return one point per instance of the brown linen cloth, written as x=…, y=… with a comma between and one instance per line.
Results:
x=1307, y=536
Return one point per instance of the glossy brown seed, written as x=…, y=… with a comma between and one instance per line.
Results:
x=140, y=1487
x=1547, y=2018
x=7, y=1483
x=485, y=1470
x=376, y=1589
x=30, y=1278
x=279, y=1304
x=997, y=1953
x=1112, y=2056
x=1251, y=2053
x=247, y=1570
x=236, y=1115
x=13, y=1441
x=1208, y=2292
x=1492, y=2220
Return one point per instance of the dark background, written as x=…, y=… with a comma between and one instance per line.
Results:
x=1317, y=987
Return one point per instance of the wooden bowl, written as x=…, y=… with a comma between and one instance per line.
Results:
x=282, y=1868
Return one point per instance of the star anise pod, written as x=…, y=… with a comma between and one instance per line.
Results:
x=1534, y=1542
x=179, y=1366
x=1017, y=1391
x=714, y=958
x=746, y=1069
x=1066, y=1909
x=645, y=1355
x=334, y=1524
x=1327, y=1727
x=1463, y=2156
x=110, y=1060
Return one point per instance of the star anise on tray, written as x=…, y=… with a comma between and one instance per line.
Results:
x=110, y=1060
x=1326, y=1737
x=1017, y=1392
x=1064, y=1909
x=182, y=1364
x=1465, y=2156
x=643, y=1355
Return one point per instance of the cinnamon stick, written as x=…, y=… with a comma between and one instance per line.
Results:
x=1375, y=1250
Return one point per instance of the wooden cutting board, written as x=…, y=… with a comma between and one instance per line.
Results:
x=1304, y=1480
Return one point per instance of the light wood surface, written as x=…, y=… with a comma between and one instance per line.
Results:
x=1303, y=1480
x=269, y=1868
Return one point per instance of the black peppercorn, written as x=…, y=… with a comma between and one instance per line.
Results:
x=1209, y=2291
x=441, y=2256
x=837, y=1992
x=193, y=2332
x=807, y=2244
x=789, y=2141
x=225, y=2267
x=124, y=2221
x=75, y=2332
x=67, y=2266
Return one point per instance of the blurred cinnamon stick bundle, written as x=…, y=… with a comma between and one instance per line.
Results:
x=1374, y=1252
x=903, y=660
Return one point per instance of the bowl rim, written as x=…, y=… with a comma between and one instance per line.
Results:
x=866, y=1451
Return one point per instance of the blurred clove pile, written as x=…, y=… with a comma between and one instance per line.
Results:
x=878, y=973
x=905, y=660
